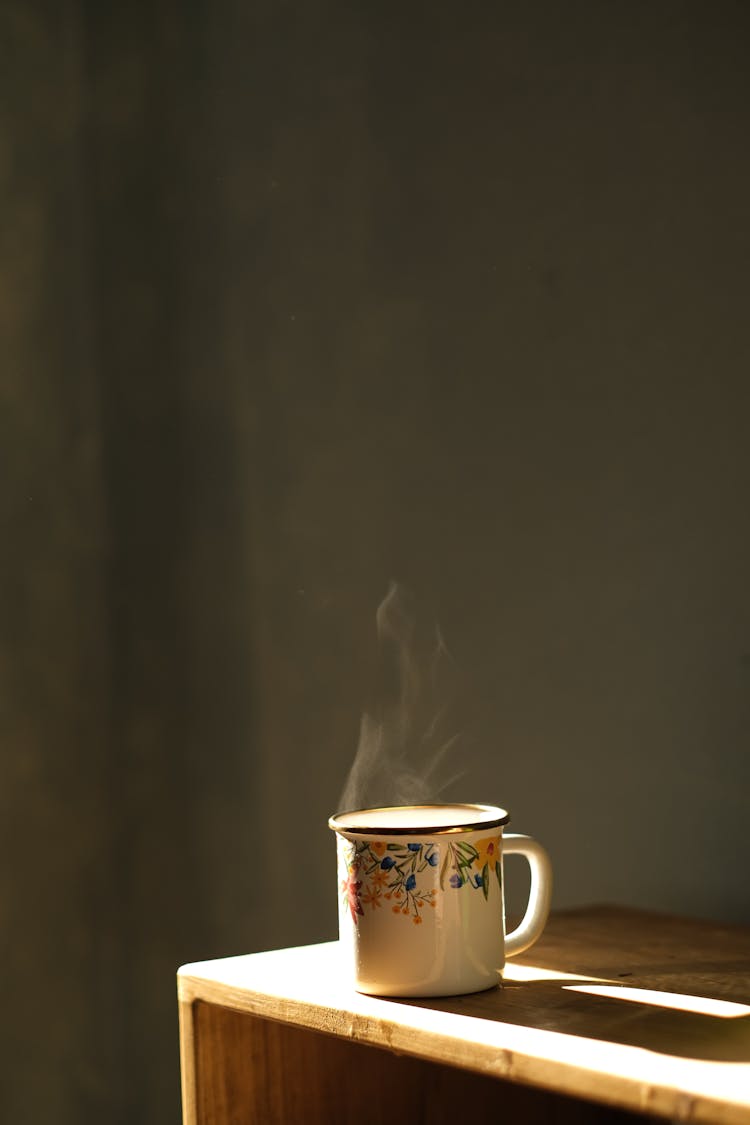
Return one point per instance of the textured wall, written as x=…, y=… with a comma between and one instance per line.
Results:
x=295, y=300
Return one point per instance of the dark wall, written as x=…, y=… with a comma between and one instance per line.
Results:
x=297, y=299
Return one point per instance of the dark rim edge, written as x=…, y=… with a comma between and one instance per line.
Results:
x=414, y=830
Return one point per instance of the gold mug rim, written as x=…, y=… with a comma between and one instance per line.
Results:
x=499, y=817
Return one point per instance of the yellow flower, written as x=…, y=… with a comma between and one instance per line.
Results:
x=489, y=851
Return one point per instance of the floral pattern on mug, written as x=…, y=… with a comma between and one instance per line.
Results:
x=471, y=865
x=380, y=873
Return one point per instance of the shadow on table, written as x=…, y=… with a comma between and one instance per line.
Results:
x=636, y=1013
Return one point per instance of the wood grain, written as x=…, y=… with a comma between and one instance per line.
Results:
x=274, y=1073
x=296, y=1030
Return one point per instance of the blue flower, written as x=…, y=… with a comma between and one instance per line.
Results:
x=411, y=883
x=456, y=881
x=414, y=847
x=478, y=881
x=387, y=862
x=432, y=859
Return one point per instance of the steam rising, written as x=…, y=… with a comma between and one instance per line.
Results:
x=404, y=739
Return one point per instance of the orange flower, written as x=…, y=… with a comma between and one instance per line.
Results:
x=489, y=851
x=417, y=920
x=378, y=846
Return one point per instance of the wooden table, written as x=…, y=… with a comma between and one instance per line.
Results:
x=616, y=1015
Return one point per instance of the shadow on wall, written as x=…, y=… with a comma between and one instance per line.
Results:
x=294, y=302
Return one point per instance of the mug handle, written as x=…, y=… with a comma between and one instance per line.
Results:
x=540, y=893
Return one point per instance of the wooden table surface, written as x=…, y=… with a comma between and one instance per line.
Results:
x=619, y=1007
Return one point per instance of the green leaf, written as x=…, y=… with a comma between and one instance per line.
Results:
x=499, y=874
x=485, y=880
x=444, y=868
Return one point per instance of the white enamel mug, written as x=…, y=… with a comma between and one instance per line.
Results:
x=421, y=903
